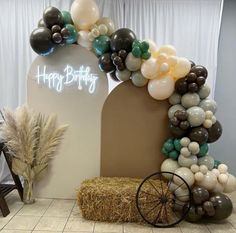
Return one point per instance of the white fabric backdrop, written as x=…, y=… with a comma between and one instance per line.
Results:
x=192, y=26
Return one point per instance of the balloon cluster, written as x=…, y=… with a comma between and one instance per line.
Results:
x=216, y=206
x=192, y=120
x=55, y=28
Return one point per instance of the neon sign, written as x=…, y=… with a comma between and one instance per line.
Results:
x=57, y=81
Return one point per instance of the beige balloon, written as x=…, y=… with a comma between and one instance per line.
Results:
x=162, y=88
x=230, y=186
x=152, y=46
x=150, y=68
x=182, y=68
x=84, y=13
x=83, y=40
x=168, y=50
x=109, y=23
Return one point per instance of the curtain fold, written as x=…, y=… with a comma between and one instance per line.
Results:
x=192, y=26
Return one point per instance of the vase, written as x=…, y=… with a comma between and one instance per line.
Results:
x=28, y=197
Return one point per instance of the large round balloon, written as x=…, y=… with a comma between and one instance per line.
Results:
x=105, y=63
x=66, y=17
x=109, y=24
x=198, y=134
x=200, y=195
x=122, y=39
x=214, y=132
x=101, y=45
x=161, y=89
x=150, y=68
x=52, y=16
x=41, y=41
x=199, y=71
x=84, y=13
x=182, y=67
x=223, y=206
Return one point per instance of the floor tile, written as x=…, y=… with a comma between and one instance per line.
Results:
x=76, y=224
x=14, y=231
x=108, y=227
x=37, y=209
x=60, y=208
x=51, y=224
x=232, y=220
x=167, y=230
x=221, y=228
x=47, y=231
x=187, y=227
x=76, y=212
x=137, y=228
x=22, y=223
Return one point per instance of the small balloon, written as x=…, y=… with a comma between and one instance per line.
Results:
x=123, y=75
x=199, y=70
x=207, y=161
x=196, y=116
x=138, y=79
x=200, y=195
x=181, y=86
x=189, y=100
x=208, y=105
x=105, y=63
x=182, y=68
x=132, y=63
x=150, y=68
x=175, y=98
x=204, y=91
x=83, y=39
x=173, y=109
x=109, y=24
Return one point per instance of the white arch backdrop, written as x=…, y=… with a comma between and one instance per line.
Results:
x=192, y=26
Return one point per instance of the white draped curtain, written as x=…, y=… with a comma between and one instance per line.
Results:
x=192, y=26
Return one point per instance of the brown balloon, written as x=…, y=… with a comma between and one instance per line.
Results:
x=199, y=71
x=193, y=87
x=181, y=115
x=200, y=195
x=223, y=206
x=214, y=132
x=200, y=210
x=113, y=76
x=184, y=125
x=105, y=63
x=181, y=86
x=191, y=77
x=201, y=81
x=198, y=134
x=192, y=215
x=176, y=131
x=174, y=121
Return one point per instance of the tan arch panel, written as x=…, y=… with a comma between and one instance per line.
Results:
x=134, y=127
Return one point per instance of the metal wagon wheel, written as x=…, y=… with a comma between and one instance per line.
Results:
x=163, y=199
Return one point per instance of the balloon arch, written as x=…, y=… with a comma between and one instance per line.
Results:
x=192, y=120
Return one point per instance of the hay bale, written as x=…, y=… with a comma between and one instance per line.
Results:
x=111, y=199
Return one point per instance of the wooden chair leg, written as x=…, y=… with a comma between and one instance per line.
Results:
x=3, y=205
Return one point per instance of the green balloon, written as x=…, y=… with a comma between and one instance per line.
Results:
x=168, y=146
x=177, y=144
x=170, y=140
x=66, y=17
x=146, y=55
x=203, y=150
x=136, y=51
x=164, y=151
x=144, y=46
x=136, y=43
x=73, y=34
x=216, y=163
x=101, y=45
x=174, y=154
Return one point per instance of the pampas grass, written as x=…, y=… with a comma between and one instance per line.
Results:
x=31, y=139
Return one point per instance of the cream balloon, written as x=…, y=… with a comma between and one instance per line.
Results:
x=83, y=40
x=182, y=194
x=209, y=181
x=152, y=46
x=109, y=23
x=181, y=68
x=167, y=49
x=150, y=68
x=218, y=188
x=169, y=165
x=84, y=13
x=162, y=88
x=186, y=174
x=230, y=186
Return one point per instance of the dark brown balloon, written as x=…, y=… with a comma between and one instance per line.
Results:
x=200, y=81
x=65, y=33
x=223, y=206
x=198, y=134
x=113, y=76
x=192, y=63
x=191, y=77
x=184, y=125
x=181, y=115
x=200, y=210
x=200, y=195
x=208, y=206
x=52, y=16
x=56, y=28
x=181, y=86
x=192, y=215
x=176, y=131
x=214, y=132
x=117, y=60
x=105, y=63
x=193, y=87
x=121, y=67
x=174, y=121
x=56, y=37
x=123, y=54
x=199, y=71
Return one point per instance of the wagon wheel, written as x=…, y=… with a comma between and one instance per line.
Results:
x=163, y=199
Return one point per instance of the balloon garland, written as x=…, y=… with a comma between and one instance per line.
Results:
x=192, y=120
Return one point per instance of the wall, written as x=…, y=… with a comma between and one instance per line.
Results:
x=225, y=92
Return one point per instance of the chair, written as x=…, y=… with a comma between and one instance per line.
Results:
x=7, y=188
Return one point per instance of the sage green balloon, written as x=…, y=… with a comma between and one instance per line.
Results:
x=208, y=105
x=207, y=161
x=204, y=91
x=196, y=116
x=173, y=109
x=187, y=161
x=138, y=79
x=175, y=98
x=123, y=75
x=189, y=100
x=133, y=63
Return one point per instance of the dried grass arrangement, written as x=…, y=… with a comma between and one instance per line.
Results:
x=32, y=139
x=111, y=199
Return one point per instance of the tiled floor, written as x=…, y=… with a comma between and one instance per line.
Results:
x=57, y=216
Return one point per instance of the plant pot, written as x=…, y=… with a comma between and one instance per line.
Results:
x=28, y=197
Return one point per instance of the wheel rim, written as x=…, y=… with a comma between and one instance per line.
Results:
x=159, y=201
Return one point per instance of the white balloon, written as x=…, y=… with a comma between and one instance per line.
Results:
x=195, y=168
x=185, y=141
x=182, y=194
x=162, y=88
x=186, y=174
x=223, y=168
x=187, y=162
x=169, y=165
x=83, y=39
x=84, y=13
x=150, y=68
x=209, y=181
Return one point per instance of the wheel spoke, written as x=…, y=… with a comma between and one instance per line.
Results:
x=162, y=192
x=155, y=221
x=153, y=186
x=148, y=202
x=148, y=193
x=152, y=208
